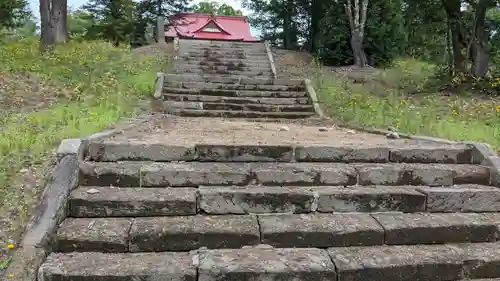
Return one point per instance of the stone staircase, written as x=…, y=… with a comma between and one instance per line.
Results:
x=151, y=211
x=230, y=79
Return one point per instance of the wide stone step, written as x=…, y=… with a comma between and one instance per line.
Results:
x=253, y=107
x=89, y=201
x=248, y=63
x=188, y=42
x=375, y=263
x=215, y=87
x=185, y=233
x=242, y=94
x=221, y=56
x=139, y=150
x=235, y=100
x=240, y=114
x=233, y=79
x=191, y=174
x=225, y=50
x=250, y=73
x=232, y=68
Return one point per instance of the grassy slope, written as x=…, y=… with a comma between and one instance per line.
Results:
x=90, y=86
x=392, y=97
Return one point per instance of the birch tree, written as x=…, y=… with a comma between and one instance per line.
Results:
x=356, y=12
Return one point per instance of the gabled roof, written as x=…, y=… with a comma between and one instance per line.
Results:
x=191, y=25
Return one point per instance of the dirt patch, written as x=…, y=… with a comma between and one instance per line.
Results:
x=190, y=131
x=25, y=92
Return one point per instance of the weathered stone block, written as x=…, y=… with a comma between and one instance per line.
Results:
x=106, y=174
x=370, y=199
x=136, y=150
x=482, y=260
x=255, y=199
x=471, y=174
x=244, y=153
x=423, y=228
x=304, y=174
x=265, y=264
x=405, y=174
x=342, y=154
x=397, y=263
x=194, y=174
x=493, y=162
x=462, y=198
x=132, y=202
x=100, y=266
x=320, y=230
x=89, y=235
x=480, y=151
x=193, y=232
x=449, y=154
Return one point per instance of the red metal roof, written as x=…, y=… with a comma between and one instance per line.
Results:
x=191, y=25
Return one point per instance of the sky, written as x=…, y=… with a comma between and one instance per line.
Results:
x=74, y=4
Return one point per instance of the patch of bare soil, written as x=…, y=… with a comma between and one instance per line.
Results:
x=190, y=131
x=24, y=92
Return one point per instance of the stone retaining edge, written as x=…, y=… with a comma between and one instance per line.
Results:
x=160, y=80
x=271, y=59
x=314, y=98
x=51, y=211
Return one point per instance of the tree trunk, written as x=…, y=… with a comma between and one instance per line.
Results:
x=357, y=18
x=452, y=9
x=54, y=22
x=480, y=49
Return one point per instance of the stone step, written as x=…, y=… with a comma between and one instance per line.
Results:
x=225, y=50
x=235, y=87
x=188, y=42
x=221, y=56
x=232, y=68
x=90, y=201
x=138, y=150
x=374, y=263
x=215, y=43
x=191, y=174
x=257, y=73
x=185, y=233
x=248, y=107
x=235, y=100
x=240, y=94
x=240, y=114
x=233, y=79
x=189, y=61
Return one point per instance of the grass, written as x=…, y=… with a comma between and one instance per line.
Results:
x=396, y=97
x=96, y=85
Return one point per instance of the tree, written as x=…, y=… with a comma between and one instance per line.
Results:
x=54, y=22
x=356, y=11
x=13, y=13
x=114, y=19
x=81, y=25
x=214, y=8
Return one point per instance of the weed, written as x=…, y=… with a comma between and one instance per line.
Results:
x=401, y=103
x=104, y=84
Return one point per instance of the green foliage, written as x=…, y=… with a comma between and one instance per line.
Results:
x=215, y=8
x=13, y=13
x=452, y=117
x=82, y=25
x=114, y=19
x=105, y=83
